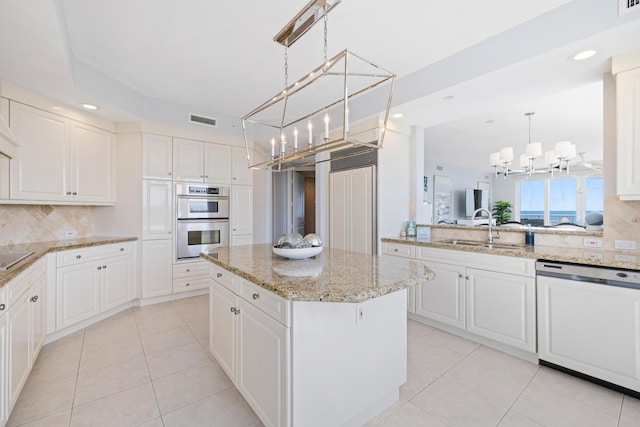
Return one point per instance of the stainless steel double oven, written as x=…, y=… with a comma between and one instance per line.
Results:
x=202, y=218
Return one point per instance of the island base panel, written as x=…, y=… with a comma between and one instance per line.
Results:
x=347, y=368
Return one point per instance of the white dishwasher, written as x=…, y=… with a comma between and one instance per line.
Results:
x=589, y=323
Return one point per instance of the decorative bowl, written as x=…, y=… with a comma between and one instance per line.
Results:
x=297, y=253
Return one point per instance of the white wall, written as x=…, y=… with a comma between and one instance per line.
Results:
x=461, y=179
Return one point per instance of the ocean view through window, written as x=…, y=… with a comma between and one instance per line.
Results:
x=552, y=201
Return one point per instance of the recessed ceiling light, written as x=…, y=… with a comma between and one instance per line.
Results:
x=490, y=121
x=448, y=98
x=397, y=115
x=585, y=54
x=89, y=106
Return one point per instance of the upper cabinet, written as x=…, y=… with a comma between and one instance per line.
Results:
x=242, y=175
x=199, y=161
x=628, y=162
x=157, y=156
x=60, y=159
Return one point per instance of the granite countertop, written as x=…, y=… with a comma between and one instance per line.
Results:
x=588, y=256
x=332, y=276
x=42, y=248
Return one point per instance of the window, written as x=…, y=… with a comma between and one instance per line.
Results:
x=551, y=201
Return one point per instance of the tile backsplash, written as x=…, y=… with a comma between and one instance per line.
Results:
x=34, y=223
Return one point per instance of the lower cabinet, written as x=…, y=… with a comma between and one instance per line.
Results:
x=492, y=296
x=92, y=280
x=22, y=332
x=190, y=275
x=252, y=347
x=157, y=256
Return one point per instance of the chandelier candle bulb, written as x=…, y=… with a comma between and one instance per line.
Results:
x=326, y=126
x=310, y=127
x=273, y=147
x=295, y=138
x=282, y=144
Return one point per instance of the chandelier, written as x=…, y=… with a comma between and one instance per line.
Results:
x=314, y=114
x=556, y=160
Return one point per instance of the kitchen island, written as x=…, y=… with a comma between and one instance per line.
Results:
x=315, y=342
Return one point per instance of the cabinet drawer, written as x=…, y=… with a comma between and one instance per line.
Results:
x=225, y=278
x=191, y=269
x=270, y=303
x=77, y=256
x=398, y=249
x=185, y=284
x=496, y=263
x=20, y=284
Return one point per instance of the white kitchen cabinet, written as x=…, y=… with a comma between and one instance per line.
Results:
x=157, y=209
x=157, y=262
x=198, y=161
x=351, y=209
x=491, y=296
x=190, y=275
x=25, y=328
x=502, y=307
x=241, y=174
x=92, y=280
x=252, y=346
x=628, y=125
x=4, y=366
x=157, y=156
x=241, y=215
x=604, y=346
x=443, y=298
x=60, y=159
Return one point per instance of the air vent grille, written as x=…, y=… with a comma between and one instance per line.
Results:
x=208, y=121
x=626, y=6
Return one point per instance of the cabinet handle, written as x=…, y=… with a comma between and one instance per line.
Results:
x=206, y=176
x=234, y=178
x=168, y=232
x=68, y=193
x=121, y=249
x=34, y=298
x=466, y=277
x=169, y=173
x=236, y=311
x=395, y=250
x=104, y=266
x=219, y=275
x=233, y=310
x=460, y=275
x=78, y=256
x=2, y=307
x=256, y=296
x=188, y=284
x=188, y=270
x=99, y=268
x=75, y=194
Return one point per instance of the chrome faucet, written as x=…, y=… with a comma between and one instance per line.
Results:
x=473, y=220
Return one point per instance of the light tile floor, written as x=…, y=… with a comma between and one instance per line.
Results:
x=149, y=366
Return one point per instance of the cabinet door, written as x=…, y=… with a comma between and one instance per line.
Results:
x=157, y=261
x=157, y=209
x=263, y=348
x=91, y=174
x=217, y=163
x=223, y=328
x=188, y=162
x=443, y=298
x=4, y=380
x=18, y=332
x=39, y=171
x=156, y=156
x=242, y=175
x=502, y=307
x=241, y=210
x=117, y=282
x=78, y=293
x=628, y=151
x=37, y=300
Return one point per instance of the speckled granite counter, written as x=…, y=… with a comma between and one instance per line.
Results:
x=332, y=276
x=589, y=256
x=42, y=248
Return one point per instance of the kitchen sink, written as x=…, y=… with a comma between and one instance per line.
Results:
x=480, y=244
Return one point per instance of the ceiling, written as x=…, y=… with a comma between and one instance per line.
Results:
x=157, y=59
